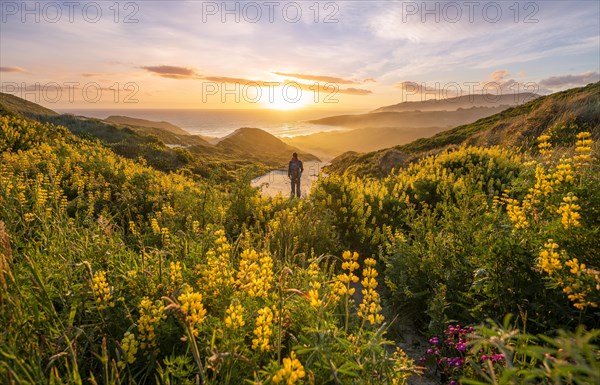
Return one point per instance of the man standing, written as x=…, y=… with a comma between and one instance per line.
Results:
x=295, y=170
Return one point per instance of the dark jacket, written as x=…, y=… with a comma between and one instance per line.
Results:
x=295, y=168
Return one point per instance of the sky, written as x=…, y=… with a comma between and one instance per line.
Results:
x=287, y=55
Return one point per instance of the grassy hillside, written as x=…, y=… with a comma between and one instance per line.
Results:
x=129, y=273
x=113, y=272
x=518, y=126
x=14, y=104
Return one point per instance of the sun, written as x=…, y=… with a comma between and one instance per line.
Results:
x=284, y=98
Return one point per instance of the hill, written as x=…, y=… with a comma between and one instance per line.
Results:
x=415, y=119
x=517, y=126
x=466, y=101
x=14, y=104
x=260, y=144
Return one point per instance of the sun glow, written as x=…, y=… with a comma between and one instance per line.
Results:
x=284, y=98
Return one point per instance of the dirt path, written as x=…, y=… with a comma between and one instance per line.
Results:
x=414, y=345
x=408, y=339
x=277, y=182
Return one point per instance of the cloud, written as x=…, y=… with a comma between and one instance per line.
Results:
x=240, y=81
x=12, y=69
x=369, y=80
x=555, y=82
x=330, y=89
x=499, y=83
x=499, y=75
x=172, y=72
x=354, y=91
x=318, y=78
x=52, y=87
x=89, y=75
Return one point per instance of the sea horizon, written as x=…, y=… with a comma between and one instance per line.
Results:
x=222, y=122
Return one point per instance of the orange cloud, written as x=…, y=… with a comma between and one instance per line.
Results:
x=499, y=76
x=329, y=89
x=354, y=91
x=12, y=69
x=240, y=81
x=172, y=72
x=303, y=86
x=318, y=78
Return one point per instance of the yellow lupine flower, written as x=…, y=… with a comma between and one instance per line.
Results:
x=544, y=146
x=235, y=316
x=263, y=330
x=175, y=275
x=129, y=345
x=564, y=171
x=370, y=308
x=192, y=308
x=132, y=228
x=217, y=273
x=549, y=259
x=196, y=227
x=516, y=214
x=291, y=372
x=574, y=265
x=570, y=212
x=255, y=274
x=155, y=226
x=583, y=149
x=543, y=183
x=151, y=314
x=165, y=235
x=102, y=290
x=314, y=298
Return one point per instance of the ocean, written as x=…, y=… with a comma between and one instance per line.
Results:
x=219, y=123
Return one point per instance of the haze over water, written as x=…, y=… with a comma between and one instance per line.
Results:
x=220, y=122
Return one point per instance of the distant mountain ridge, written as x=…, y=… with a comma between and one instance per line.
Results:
x=403, y=122
x=517, y=126
x=465, y=101
x=442, y=119
x=169, y=133
x=136, y=122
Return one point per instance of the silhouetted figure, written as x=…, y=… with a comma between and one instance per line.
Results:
x=295, y=170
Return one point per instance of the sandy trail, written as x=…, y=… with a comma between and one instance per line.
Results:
x=277, y=182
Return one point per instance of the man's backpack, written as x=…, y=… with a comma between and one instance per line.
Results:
x=295, y=169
